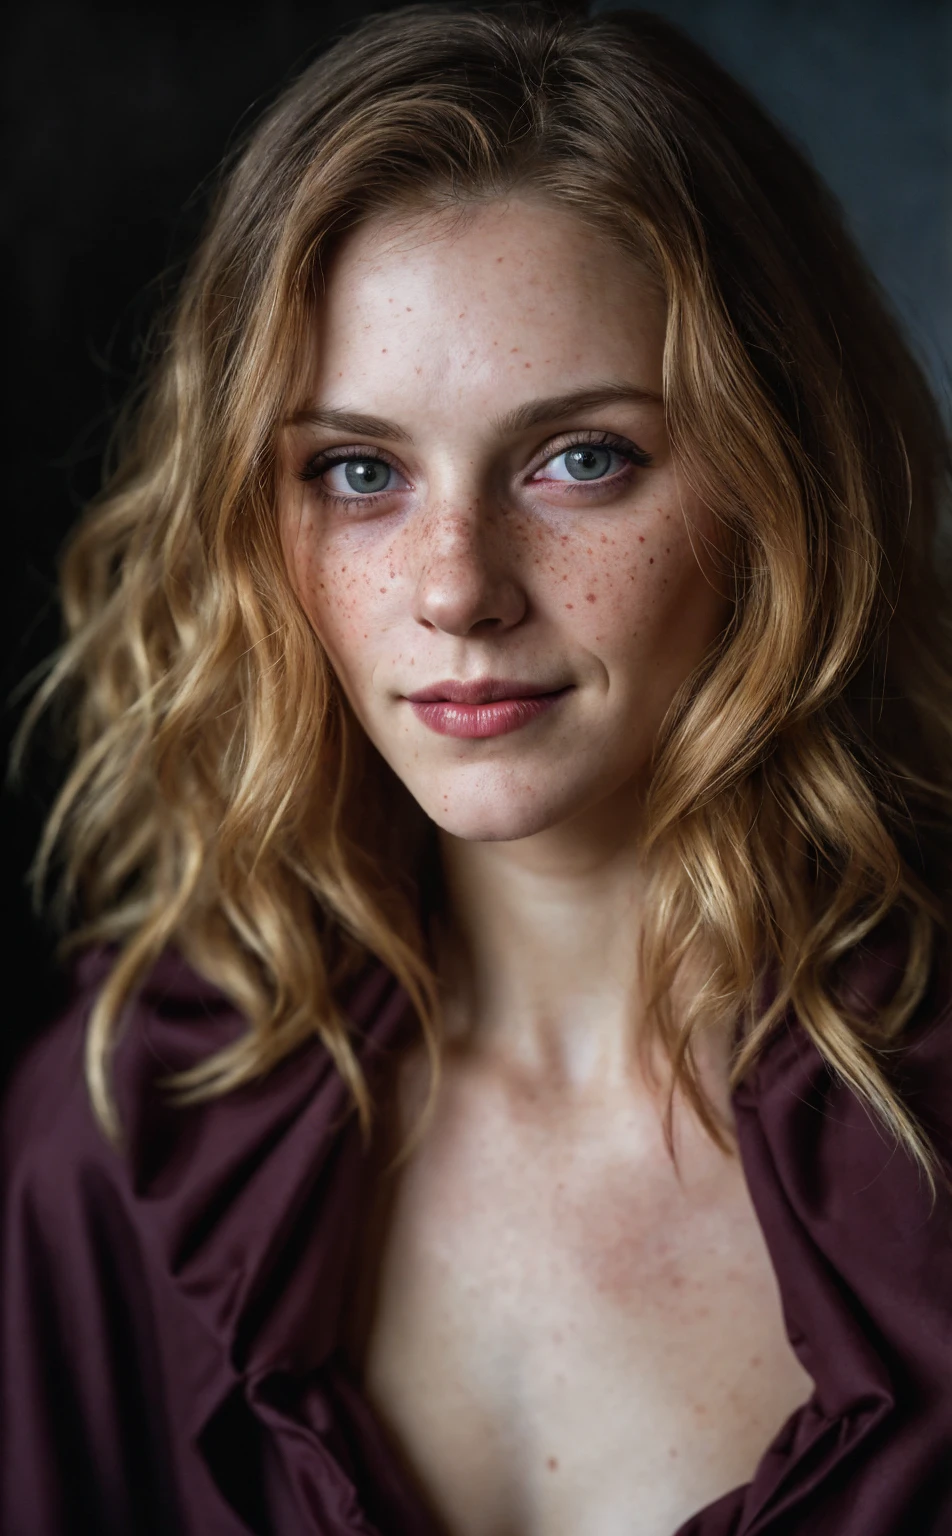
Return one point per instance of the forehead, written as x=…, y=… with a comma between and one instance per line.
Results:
x=516, y=287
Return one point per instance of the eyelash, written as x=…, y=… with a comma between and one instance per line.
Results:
x=326, y=460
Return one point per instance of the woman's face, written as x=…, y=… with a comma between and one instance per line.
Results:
x=483, y=519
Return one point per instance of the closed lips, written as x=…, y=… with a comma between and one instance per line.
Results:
x=484, y=691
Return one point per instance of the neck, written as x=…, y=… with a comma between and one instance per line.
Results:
x=539, y=952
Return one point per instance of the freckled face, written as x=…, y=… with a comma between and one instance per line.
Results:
x=453, y=540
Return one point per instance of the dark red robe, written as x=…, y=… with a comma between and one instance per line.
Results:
x=170, y=1315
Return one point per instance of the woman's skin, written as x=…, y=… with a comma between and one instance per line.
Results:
x=565, y=1334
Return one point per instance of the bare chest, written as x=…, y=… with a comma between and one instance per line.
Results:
x=565, y=1335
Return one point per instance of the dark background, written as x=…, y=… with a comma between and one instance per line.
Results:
x=117, y=117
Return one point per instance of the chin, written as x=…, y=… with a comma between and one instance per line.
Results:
x=500, y=817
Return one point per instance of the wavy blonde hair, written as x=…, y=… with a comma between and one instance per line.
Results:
x=223, y=798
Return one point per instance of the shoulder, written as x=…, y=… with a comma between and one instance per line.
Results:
x=48, y=1123
x=45, y=1106
x=821, y=1163
x=49, y=1135
x=793, y=1083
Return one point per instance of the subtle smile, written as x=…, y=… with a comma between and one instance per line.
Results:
x=489, y=707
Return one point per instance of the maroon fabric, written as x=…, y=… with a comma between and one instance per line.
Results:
x=171, y=1313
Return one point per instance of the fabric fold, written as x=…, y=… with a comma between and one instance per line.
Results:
x=172, y=1311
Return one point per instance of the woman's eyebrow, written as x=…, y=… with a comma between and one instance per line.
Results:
x=556, y=407
x=520, y=419
x=342, y=419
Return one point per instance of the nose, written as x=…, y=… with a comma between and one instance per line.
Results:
x=468, y=578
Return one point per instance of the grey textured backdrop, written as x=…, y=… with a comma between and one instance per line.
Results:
x=865, y=87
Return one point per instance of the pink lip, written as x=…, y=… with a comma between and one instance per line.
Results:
x=487, y=707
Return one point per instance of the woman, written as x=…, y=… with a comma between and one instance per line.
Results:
x=507, y=1086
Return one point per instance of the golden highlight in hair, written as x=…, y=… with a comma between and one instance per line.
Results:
x=223, y=798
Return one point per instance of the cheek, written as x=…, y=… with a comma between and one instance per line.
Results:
x=623, y=581
x=585, y=575
x=343, y=586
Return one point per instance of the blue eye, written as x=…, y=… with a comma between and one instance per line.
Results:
x=588, y=463
x=591, y=461
x=361, y=475
x=365, y=474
